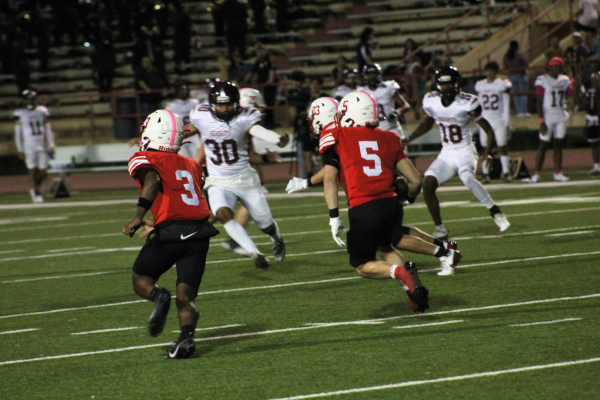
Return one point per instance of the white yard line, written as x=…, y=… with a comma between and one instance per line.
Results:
x=44, y=278
x=19, y=331
x=12, y=251
x=108, y=330
x=71, y=249
x=210, y=328
x=430, y=324
x=570, y=233
x=446, y=379
x=548, y=322
x=302, y=328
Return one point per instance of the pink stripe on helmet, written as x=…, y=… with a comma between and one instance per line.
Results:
x=174, y=125
x=332, y=100
x=375, y=108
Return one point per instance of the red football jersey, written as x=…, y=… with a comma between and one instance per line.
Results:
x=368, y=157
x=182, y=182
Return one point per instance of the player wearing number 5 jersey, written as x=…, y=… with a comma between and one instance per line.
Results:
x=34, y=140
x=223, y=126
x=386, y=94
x=552, y=90
x=368, y=157
x=171, y=187
x=453, y=111
x=494, y=97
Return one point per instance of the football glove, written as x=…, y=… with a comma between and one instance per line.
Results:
x=336, y=228
x=296, y=185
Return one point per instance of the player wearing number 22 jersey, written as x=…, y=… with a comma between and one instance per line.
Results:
x=223, y=126
x=453, y=112
x=368, y=157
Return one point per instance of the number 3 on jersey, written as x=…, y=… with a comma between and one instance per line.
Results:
x=194, y=200
x=376, y=171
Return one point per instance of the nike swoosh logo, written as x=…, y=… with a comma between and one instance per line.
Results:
x=190, y=235
x=173, y=355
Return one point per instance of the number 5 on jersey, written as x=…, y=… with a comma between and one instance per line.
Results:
x=370, y=171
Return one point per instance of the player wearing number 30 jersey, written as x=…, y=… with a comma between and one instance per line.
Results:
x=453, y=111
x=223, y=126
x=368, y=157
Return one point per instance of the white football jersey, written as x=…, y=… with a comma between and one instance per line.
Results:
x=183, y=108
x=32, y=124
x=493, y=97
x=454, y=121
x=225, y=143
x=384, y=96
x=341, y=91
x=555, y=96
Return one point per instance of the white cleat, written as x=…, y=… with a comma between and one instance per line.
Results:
x=34, y=196
x=440, y=235
x=535, y=178
x=594, y=172
x=560, y=177
x=449, y=263
x=501, y=221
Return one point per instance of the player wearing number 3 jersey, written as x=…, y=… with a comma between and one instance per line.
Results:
x=368, y=157
x=223, y=126
x=453, y=111
x=171, y=186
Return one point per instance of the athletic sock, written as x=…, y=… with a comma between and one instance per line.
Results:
x=440, y=228
x=505, y=165
x=495, y=210
x=400, y=273
x=277, y=235
x=153, y=294
x=439, y=243
x=185, y=332
x=441, y=252
x=239, y=234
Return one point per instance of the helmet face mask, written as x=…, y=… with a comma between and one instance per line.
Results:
x=447, y=82
x=30, y=98
x=162, y=131
x=373, y=75
x=224, y=99
x=322, y=115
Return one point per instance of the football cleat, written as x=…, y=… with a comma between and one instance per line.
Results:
x=560, y=177
x=179, y=350
x=260, y=261
x=158, y=318
x=279, y=250
x=485, y=179
x=440, y=235
x=507, y=178
x=417, y=294
x=451, y=245
x=449, y=263
x=232, y=245
x=535, y=178
x=594, y=172
x=501, y=221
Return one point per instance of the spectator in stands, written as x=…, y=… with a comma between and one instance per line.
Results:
x=363, y=49
x=576, y=57
x=554, y=50
x=348, y=85
x=263, y=73
x=236, y=27
x=148, y=80
x=258, y=10
x=587, y=19
x=409, y=47
x=337, y=73
x=516, y=64
x=103, y=60
x=237, y=70
x=148, y=43
x=217, y=10
x=182, y=31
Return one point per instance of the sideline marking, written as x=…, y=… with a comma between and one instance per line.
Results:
x=216, y=327
x=20, y=330
x=446, y=379
x=107, y=330
x=548, y=322
x=430, y=324
x=312, y=326
x=290, y=284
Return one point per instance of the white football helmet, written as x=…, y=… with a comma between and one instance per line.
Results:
x=322, y=115
x=358, y=109
x=163, y=131
x=251, y=98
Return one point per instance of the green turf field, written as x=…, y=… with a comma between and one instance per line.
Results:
x=519, y=320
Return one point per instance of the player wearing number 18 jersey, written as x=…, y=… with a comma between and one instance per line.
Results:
x=170, y=186
x=223, y=126
x=368, y=157
x=453, y=111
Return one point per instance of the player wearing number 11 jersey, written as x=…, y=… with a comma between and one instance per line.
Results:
x=223, y=126
x=453, y=111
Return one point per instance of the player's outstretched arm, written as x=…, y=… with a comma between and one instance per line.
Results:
x=151, y=186
x=298, y=184
x=413, y=179
x=424, y=127
x=269, y=136
x=331, y=198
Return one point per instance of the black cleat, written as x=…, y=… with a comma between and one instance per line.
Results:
x=279, y=250
x=179, y=350
x=158, y=318
x=260, y=261
x=419, y=299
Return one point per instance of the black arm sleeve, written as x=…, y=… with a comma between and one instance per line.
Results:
x=332, y=158
x=141, y=174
